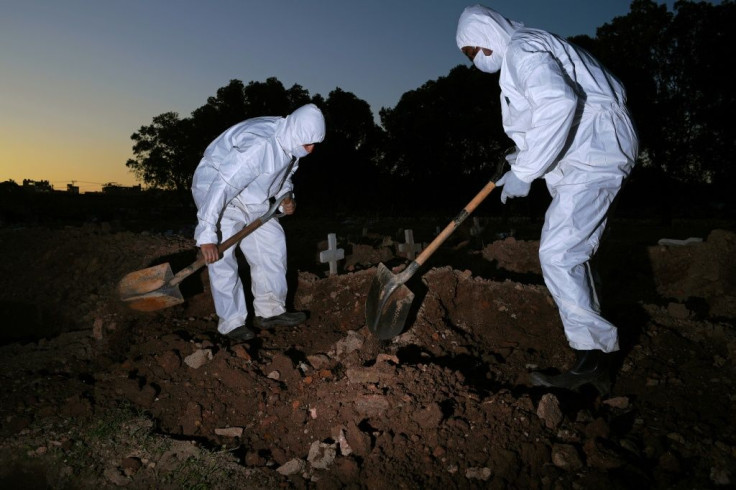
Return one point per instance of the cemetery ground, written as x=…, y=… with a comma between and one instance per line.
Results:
x=97, y=395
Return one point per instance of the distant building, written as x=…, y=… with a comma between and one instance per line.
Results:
x=72, y=189
x=113, y=188
x=37, y=185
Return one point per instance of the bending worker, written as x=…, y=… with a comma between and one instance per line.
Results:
x=241, y=170
x=567, y=116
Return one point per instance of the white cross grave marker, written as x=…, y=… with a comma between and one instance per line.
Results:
x=476, y=229
x=409, y=248
x=332, y=254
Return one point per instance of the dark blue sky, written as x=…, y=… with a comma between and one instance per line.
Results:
x=80, y=76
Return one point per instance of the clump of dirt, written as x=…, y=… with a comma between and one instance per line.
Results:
x=514, y=255
x=95, y=394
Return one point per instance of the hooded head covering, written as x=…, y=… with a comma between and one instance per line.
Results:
x=484, y=27
x=304, y=126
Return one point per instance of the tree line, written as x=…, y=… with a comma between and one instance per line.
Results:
x=445, y=137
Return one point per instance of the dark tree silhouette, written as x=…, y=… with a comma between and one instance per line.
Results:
x=168, y=150
x=9, y=186
x=341, y=174
x=163, y=153
x=680, y=94
x=445, y=136
x=699, y=94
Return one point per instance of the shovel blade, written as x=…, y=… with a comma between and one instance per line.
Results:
x=148, y=289
x=159, y=299
x=144, y=281
x=387, y=305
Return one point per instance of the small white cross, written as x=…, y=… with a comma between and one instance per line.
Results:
x=409, y=248
x=476, y=229
x=332, y=254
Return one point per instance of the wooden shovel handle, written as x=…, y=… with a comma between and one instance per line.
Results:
x=247, y=230
x=453, y=225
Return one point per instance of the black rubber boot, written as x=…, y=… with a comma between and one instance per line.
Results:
x=286, y=319
x=241, y=334
x=592, y=367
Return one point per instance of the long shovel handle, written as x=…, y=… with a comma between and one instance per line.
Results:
x=247, y=230
x=454, y=224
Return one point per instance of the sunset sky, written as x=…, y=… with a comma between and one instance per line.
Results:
x=80, y=76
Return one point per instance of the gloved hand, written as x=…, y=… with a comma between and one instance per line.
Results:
x=512, y=186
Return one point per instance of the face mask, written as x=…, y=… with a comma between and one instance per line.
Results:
x=487, y=64
x=300, y=151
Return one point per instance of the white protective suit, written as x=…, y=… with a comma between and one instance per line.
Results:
x=567, y=115
x=241, y=169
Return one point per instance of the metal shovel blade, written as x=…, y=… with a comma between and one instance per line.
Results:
x=389, y=301
x=388, y=304
x=159, y=299
x=144, y=280
x=149, y=289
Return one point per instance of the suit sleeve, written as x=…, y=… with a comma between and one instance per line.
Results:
x=236, y=171
x=552, y=102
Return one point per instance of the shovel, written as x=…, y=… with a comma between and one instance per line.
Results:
x=156, y=288
x=389, y=300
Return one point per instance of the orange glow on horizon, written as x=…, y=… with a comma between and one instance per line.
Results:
x=84, y=162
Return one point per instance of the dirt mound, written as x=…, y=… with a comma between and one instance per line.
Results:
x=514, y=255
x=112, y=397
x=700, y=272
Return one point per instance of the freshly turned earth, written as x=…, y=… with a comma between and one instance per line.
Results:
x=98, y=395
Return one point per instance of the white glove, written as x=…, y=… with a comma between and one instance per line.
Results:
x=512, y=186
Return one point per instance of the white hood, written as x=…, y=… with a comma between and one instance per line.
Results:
x=485, y=28
x=304, y=126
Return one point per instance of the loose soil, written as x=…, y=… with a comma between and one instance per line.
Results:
x=97, y=395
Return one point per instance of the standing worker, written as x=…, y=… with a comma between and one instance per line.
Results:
x=567, y=116
x=242, y=169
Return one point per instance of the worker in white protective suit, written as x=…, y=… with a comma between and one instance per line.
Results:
x=242, y=169
x=567, y=116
